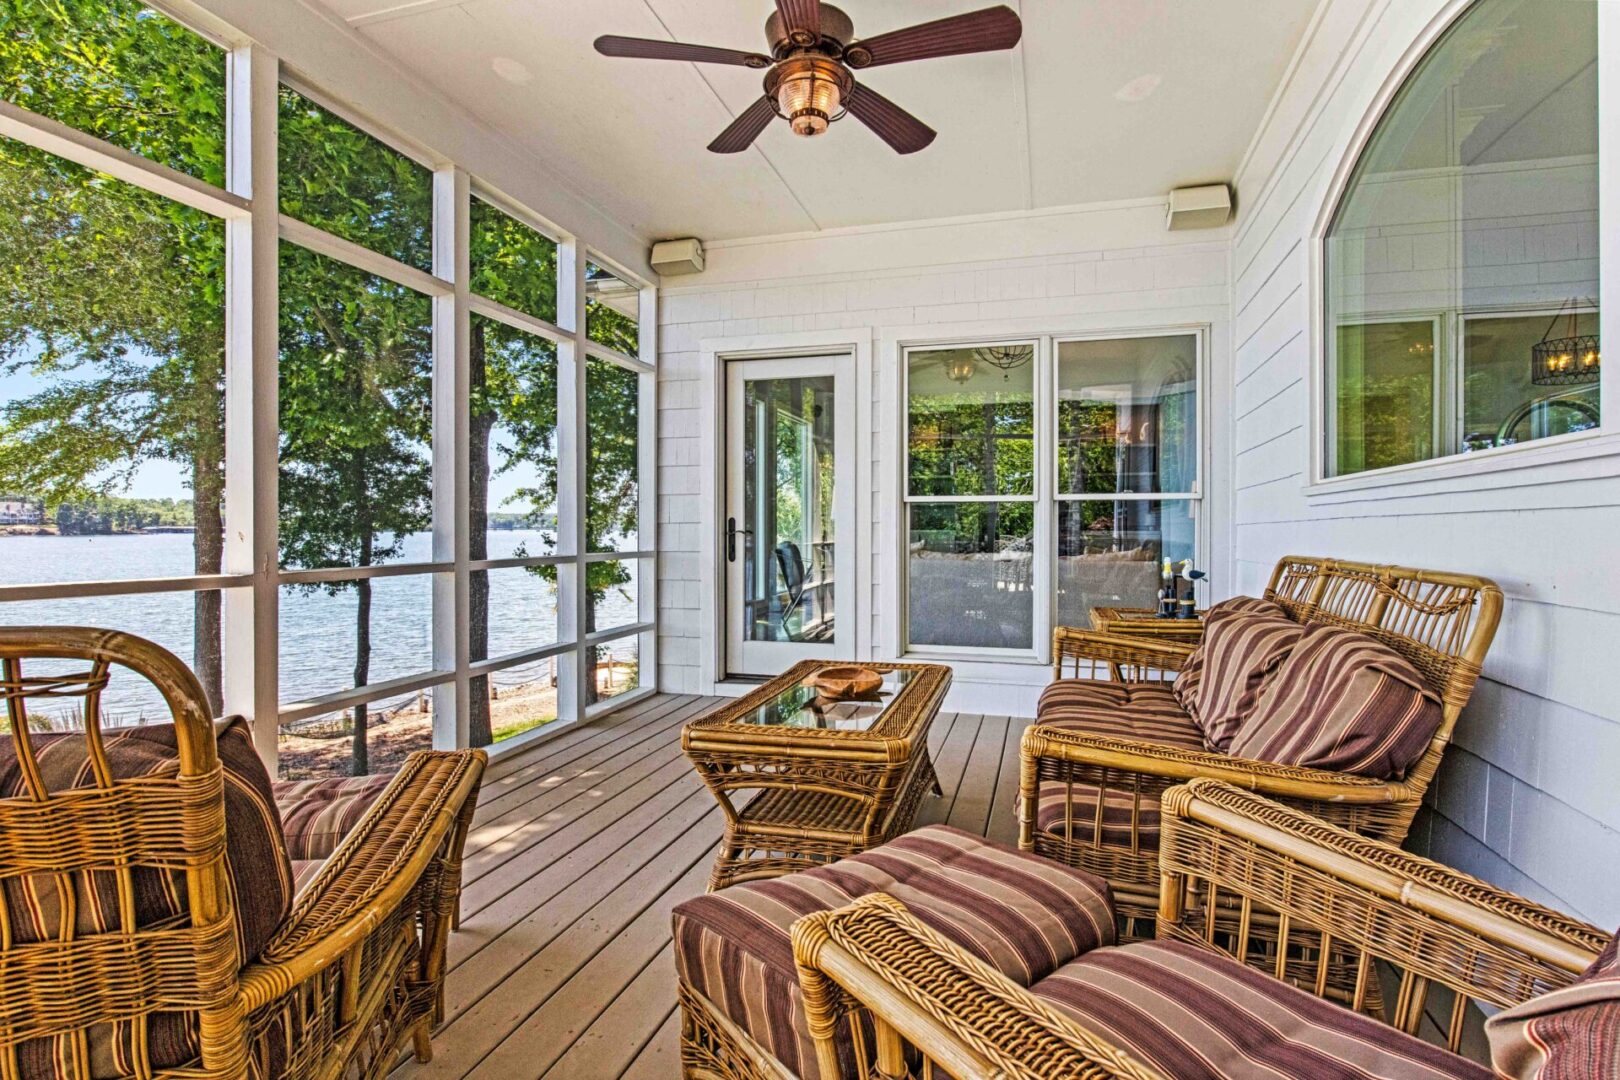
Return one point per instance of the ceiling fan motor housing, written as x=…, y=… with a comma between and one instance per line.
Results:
x=836, y=27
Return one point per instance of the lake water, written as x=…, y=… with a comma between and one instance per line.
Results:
x=317, y=628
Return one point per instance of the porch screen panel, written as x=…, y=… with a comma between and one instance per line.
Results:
x=1461, y=267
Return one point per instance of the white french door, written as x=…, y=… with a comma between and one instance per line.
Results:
x=788, y=542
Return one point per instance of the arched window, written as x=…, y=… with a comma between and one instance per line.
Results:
x=1461, y=266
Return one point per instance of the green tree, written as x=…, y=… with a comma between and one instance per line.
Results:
x=113, y=295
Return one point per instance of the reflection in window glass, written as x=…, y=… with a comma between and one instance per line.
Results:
x=169, y=619
x=112, y=378
x=1477, y=193
x=1384, y=383
x=512, y=263
x=1127, y=415
x=612, y=311
x=971, y=421
x=337, y=177
x=121, y=72
x=1501, y=405
x=1109, y=552
x=613, y=457
x=971, y=575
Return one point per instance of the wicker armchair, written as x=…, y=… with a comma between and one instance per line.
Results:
x=353, y=971
x=1223, y=849
x=1441, y=622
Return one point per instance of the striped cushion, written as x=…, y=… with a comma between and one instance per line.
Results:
x=259, y=874
x=1022, y=914
x=1343, y=701
x=1196, y=1014
x=1222, y=680
x=1147, y=712
x=1567, y=1034
x=317, y=814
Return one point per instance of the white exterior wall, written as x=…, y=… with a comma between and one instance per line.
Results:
x=1527, y=796
x=1073, y=271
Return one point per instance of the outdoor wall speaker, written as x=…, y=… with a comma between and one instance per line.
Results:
x=1207, y=207
x=672, y=257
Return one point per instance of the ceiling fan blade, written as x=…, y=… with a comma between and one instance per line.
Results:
x=742, y=132
x=904, y=132
x=977, y=31
x=801, y=20
x=650, y=49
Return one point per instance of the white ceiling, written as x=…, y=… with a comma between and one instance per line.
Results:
x=1102, y=100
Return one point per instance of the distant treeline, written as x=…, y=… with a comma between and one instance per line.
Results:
x=101, y=517
x=506, y=522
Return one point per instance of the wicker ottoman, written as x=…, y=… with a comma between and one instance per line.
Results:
x=742, y=1010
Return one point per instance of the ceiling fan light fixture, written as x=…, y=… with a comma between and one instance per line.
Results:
x=809, y=93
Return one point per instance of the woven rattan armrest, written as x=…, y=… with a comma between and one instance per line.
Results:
x=1071, y=643
x=1428, y=919
x=374, y=869
x=1179, y=763
x=923, y=990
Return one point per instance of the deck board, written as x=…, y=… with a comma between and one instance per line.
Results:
x=581, y=846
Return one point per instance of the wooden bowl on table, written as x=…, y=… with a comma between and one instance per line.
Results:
x=846, y=682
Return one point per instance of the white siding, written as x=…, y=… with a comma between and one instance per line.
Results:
x=1065, y=271
x=1528, y=796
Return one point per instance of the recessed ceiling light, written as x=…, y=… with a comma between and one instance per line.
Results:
x=511, y=70
x=1138, y=89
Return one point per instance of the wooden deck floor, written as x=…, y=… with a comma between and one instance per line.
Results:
x=581, y=847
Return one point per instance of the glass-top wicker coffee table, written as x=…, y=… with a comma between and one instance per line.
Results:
x=832, y=778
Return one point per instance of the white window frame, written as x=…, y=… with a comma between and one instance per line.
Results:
x=1046, y=498
x=1477, y=469
x=251, y=579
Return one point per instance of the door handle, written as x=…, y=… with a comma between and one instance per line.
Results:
x=732, y=532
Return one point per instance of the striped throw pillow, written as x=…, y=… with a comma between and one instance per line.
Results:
x=1567, y=1034
x=1221, y=682
x=1344, y=701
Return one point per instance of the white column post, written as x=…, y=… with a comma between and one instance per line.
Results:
x=647, y=466
x=451, y=542
x=572, y=599
x=252, y=400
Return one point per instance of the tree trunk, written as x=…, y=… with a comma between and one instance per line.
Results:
x=362, y=673
x=479, y=729
x=208, y=543
x=208, y=549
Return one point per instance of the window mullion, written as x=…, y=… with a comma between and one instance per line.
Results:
x=573, y=601
x=251, y=618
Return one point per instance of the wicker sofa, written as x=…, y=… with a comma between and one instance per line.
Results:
x=1104, y=749
x=154, y=923
x=1183, y=1007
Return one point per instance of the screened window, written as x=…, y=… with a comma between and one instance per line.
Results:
x=1462, y=263
x=612, y=310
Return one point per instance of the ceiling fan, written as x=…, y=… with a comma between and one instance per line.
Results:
x=809, y=82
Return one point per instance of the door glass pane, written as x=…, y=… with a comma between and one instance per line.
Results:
x=1109, y=552
x=1128, y=415
x=1385, y=388
x=1501, y=405
x=971, y=570
x=787, y=482
x=971, y=420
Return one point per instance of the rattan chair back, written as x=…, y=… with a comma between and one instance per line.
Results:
x=114, y=827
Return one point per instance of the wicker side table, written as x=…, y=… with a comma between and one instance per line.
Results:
x=1145, y=622
x=829, y=780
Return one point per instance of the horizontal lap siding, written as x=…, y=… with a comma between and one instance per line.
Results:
x=1527, y=796
x=1060, y=270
